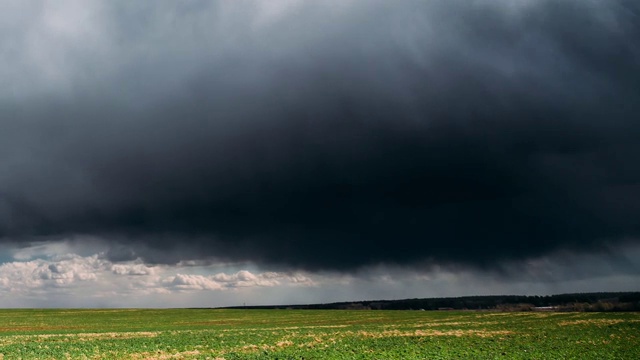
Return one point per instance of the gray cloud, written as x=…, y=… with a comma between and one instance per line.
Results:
x=324, y=136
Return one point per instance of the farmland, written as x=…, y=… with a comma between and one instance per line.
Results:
x=315, y=334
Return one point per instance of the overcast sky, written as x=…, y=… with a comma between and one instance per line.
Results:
x=209, y=153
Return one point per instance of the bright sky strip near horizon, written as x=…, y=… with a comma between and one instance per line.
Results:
x=209, y=153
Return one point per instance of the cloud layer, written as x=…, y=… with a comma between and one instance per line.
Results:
x=322, y=136
x=54, y=274
x=69, y=279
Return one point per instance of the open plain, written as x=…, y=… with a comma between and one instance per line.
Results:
x=315, y=334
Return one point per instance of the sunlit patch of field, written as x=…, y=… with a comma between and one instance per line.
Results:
x=596, y=322
x=315, y=334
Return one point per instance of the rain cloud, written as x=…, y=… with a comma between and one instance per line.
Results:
x=321, y=136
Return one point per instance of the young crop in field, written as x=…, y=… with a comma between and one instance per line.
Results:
x=315, y=334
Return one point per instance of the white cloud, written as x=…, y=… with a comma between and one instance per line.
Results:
x=191, y=282
x=132, y=269
x=47, y=274
x=42, y=274
x=240, y=279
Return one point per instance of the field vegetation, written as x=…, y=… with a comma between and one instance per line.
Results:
x=315, y=334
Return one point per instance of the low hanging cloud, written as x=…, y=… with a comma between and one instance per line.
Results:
x=66, y=279
x=63, y=277
x=322, y=136
x=241, y=279
x=42, y=274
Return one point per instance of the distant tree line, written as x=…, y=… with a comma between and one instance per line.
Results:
x=602, y=301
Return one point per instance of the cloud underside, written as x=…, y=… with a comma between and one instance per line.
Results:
x=325, y=136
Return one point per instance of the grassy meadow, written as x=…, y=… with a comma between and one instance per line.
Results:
x=315, y=334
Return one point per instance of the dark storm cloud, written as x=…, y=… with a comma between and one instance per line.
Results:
x=334, y=136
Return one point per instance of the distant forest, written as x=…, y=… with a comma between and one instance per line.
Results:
x=601, y=301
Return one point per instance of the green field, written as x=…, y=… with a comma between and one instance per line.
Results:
x=315, y=334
